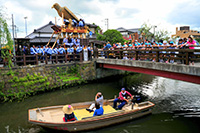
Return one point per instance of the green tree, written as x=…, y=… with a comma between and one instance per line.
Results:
x=97, y=29
x=158, y=35
x=145, y=31
x=5, y=39
x=161, y=35
x=112, y=36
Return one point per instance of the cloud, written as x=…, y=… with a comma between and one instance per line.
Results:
x=126, y=12
x=113, y=1
x=121, y=13
x=186, y=13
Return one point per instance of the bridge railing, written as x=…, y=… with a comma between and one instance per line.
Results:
x=184, y=56
x=24, y=60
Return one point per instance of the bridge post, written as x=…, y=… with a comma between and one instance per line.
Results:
x=73, y=56
x=65, y=57
x=136, y=54
x=36, y=58
x=157, y=56
x=81, y=56
x=24, y=58
x=121, y=54
x=46, y=60
x=187, y=58
x=97, y=53
x=56, y=59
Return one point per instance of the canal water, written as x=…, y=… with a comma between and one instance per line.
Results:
x=177, y=108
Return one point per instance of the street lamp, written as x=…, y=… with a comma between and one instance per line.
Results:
x=25, y=25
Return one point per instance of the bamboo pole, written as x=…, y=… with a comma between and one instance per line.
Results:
x=63, y=18
x=50, y=38
x=55, y=21
x=56, y=40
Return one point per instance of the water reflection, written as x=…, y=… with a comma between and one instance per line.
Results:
x=177, y=104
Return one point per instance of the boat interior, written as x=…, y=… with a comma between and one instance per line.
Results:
x=55, y=113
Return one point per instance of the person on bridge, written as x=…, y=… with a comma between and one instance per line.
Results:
x=123, y=99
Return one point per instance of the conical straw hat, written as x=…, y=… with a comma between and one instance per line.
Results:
x=68, y=109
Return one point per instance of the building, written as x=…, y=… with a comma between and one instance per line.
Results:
x=128, y=34
x=42, y=35
x=185, y=31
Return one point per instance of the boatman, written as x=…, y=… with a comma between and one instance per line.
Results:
x=123, y=99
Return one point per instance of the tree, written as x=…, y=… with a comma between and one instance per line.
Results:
x=161, y=35
x=112, y=36
x=145, y=31
x=5, y=39
x=97, y=29
x=158, y=35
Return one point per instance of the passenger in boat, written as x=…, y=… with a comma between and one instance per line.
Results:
x=98, y=99
x=99, y=110
x=123, y=99
x=69, y=114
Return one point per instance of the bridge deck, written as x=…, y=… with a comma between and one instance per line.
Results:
x=174, y=71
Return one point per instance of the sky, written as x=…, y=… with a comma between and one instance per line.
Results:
x=165, y=14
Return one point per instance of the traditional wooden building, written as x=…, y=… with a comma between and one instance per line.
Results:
x=128, y=34
x=185, y=31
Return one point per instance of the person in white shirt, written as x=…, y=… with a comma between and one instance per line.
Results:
x=98, y=99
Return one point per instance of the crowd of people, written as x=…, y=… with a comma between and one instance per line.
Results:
x=72, y=46
x=149, y=45
x=68, y=46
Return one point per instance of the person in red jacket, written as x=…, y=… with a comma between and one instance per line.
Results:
x=123, y=98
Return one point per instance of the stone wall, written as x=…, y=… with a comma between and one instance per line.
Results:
x=21, y=82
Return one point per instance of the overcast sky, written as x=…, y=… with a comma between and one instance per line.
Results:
x=165, y=14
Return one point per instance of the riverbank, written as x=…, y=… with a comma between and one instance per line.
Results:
x=19, y=83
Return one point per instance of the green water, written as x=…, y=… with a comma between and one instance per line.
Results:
x=176, y=111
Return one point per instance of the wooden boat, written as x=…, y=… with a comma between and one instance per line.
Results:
x=52, y=117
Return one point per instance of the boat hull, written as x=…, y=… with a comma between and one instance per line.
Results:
x=96, y=122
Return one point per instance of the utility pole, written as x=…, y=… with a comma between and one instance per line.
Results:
x=25, y=25
x=13, y=38
x=154, y=27
x=15, y=31
x=0, y=35
x=106, y=23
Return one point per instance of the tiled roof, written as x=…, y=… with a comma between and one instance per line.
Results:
x=44, y=29
x=42, y=40
x=121, y=29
